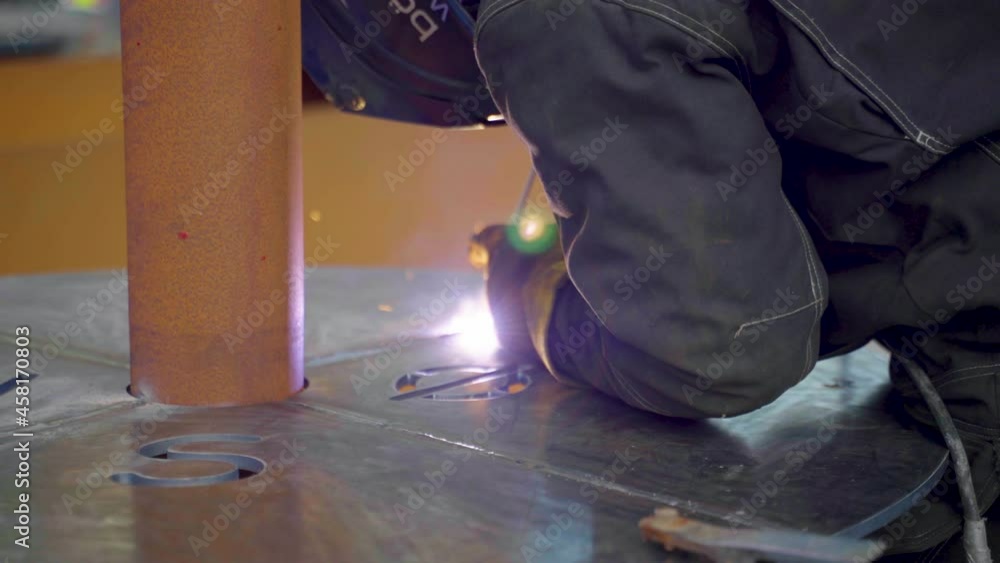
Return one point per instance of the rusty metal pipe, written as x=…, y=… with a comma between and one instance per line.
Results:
x=212, y=107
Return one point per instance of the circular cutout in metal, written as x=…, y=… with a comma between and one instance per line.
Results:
x=463, y=383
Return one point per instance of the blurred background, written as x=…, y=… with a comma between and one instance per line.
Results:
x=62, y=184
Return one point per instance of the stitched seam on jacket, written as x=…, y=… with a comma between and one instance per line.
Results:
x=739, y=58
x=967, y=377
x=918, y=537
x=813, y=281
x=945, y=379
x=982, y=146
x=889, y=99
x=493, y=10
x=933, y=555
x=653, y=13
x=954, y=371
x=772, y=319
x=840, y=61
x=964, y=428
x=629, y=391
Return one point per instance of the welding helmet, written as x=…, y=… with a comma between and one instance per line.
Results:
x=405, y=60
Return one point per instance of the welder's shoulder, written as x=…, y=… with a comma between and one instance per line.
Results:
x=723, y=26
x=927, y=65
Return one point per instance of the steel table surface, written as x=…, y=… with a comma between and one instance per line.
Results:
x=550, y=473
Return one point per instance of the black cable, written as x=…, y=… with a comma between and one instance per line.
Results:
x=977, y=549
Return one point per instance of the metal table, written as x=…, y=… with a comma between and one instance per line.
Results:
x=519, y=469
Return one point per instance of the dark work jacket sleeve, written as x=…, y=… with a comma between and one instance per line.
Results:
x=694, y=290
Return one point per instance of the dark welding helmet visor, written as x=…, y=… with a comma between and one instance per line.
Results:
x=405, y=60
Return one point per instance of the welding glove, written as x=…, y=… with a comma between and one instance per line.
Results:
x=521, y=285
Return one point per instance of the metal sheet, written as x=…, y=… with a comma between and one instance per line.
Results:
x=829, y=433
x=67, y=389
x=342, y=495
x=87, y=314
x=498, y=474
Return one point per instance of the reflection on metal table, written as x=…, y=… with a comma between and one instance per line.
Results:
x=510, y=467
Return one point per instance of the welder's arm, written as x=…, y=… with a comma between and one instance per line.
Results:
x=694, y=290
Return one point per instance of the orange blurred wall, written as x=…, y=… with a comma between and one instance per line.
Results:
x=78, y=222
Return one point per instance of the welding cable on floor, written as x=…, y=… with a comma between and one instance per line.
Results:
x=977, y=549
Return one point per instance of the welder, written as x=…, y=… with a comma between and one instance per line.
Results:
x=742, y=188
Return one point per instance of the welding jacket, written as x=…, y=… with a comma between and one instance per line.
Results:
x=744, y=187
